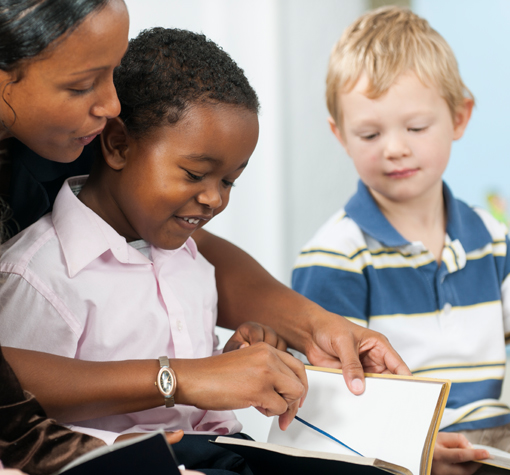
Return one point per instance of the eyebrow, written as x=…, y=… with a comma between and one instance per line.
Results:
x=88, y=70
x=205, y=158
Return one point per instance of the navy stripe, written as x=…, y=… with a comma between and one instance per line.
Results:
x=465, y=393
x=401, y=290
x=479, y=424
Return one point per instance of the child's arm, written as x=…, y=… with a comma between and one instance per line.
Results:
x=247, y=292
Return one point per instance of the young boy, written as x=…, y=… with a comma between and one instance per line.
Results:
x=405, y=257
x=113, y=273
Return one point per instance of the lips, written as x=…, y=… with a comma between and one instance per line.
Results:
x=86, y=139
x=404, y=173
x=192, y=222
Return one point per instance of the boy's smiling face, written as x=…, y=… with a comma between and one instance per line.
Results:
x=400, y=142
x=163, y=187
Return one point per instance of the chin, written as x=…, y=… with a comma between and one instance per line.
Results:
x=59, y=154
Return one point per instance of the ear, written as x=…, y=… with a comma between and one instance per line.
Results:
x=336, y=131
x=115, y=144
x=7, y=79
x=461, y=118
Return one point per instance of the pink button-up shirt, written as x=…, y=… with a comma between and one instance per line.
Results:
x=74, y=287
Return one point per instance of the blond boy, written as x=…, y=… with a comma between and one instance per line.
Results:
x=405, y=257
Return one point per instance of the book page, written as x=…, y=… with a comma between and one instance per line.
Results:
x=389, y=421
x=499, y=458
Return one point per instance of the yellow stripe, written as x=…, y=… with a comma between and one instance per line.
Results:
x=476, y=380
x=321, y=264
x=471, y=412
x=432, y=314
x=342, y=216
x=324, y=250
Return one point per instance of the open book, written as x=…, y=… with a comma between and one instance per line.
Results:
x=499, y=458
x=391, y=427
x=149, y=454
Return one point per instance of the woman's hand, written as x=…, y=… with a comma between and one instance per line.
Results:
x=250, y=333
x=454, y=455
x=272, y=381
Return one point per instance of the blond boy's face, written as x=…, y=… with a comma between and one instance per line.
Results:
x=400, y=142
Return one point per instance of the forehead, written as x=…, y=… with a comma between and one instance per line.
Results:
x=99, y=41
x=220, y=134
x=406, y=95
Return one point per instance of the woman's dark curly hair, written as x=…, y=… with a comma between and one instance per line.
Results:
x=165, y=71
x=28, y=27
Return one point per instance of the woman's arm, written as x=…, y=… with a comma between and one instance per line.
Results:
x=72, y=390
x=247, y=292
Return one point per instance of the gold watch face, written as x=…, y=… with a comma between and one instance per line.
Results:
x=165, y=381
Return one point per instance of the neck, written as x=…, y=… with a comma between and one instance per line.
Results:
x=421, y=219
x=97, y=195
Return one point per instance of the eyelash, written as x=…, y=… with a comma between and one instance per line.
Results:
x=195, y=177
x=192, y=176
x=369, y=137
x=81, y=92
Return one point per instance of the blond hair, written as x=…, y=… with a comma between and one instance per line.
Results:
x=385, y=43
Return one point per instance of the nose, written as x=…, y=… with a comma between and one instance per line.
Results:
x=396, y=147
x=107, y=103
x=211, y=197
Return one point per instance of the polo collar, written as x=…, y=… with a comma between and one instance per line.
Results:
x=463, y=224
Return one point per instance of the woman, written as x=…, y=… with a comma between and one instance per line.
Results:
x=56, y=99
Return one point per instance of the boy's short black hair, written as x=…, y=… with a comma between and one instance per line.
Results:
x=165, y=71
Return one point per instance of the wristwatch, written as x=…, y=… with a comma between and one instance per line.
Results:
x=166, y=382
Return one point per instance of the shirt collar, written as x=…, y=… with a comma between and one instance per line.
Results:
x=464, y=224
x=84, y=236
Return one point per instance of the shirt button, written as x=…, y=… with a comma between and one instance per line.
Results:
x=447, y=308
x=179, y=325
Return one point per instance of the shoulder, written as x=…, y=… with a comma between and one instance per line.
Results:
x=339, y=234
x=339, y=245
x=496, y=229
x=21, y=250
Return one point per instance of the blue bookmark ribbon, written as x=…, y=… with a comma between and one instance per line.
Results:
x=320, y=431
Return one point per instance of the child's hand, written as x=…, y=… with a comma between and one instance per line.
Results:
x=454, y=455
x=250, y=333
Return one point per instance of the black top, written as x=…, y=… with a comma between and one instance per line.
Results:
x=35, y=183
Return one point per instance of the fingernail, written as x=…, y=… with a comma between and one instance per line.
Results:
x=244, y=345
x=357, y=385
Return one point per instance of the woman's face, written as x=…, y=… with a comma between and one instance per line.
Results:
x=58, y=103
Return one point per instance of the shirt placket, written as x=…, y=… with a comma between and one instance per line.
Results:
x=180, y=335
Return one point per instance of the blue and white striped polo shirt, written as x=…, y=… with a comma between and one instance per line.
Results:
x=445, y=321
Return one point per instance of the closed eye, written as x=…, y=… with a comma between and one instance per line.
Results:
x=417, y=129
x=194, y=177
x=369, y=137
x=228, y=184
x=79, y=92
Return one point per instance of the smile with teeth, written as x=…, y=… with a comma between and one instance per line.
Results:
x=192, y=220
